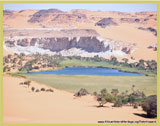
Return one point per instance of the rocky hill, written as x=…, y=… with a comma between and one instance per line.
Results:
x=47, y=17
x=106, y=22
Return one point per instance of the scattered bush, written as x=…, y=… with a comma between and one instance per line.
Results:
x=5, y=60
x=81, y=92
x=132, y=99
x=6, y=68
x=118, y=103
x=135, y=98
x=20, y=63
x=49, y=90
x=37, y=90
x=36, y=67
x=105, y=97
x=54, y=61
x=9, y=56
x=103, y=91
x=21, y=83
x=95, y=93
x=33, y=88
x=42, y=89
x=135, y=106
x=27, y=83
x=114, y=92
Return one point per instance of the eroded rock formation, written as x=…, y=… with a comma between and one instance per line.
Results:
x=57, y=44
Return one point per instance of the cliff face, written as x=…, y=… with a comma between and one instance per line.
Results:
x=57, y=44
x=89, y=44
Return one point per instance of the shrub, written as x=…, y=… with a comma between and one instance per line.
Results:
x=150, y=106
x=9, y=55
x=42, y=89
x=113, y=60
x=125, y=60
x=6, y=60
x=22, y=54
x=105, y=97
x=135, y=106
x=103, y=91
x=20, y=63
x=49, y=90
x=9, y=69
x=81, y=92
x=101, y=101
x=37, y=90
x=21, y=83
x=14, y=60
x=132, y=98
x=32, y=88
x=95, y=93
x=27, y=67
x=27, y=83
x=36, y=67
x=114, y=92
x=124, y=100
x=137, y=97
x=118, y=103
x=6, y=68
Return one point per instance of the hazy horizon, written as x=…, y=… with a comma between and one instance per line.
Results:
x=131, y=8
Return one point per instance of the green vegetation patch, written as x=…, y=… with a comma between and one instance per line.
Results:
x=73, y=83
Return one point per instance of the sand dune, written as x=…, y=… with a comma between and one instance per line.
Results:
x=131, y=34
x=21, y=105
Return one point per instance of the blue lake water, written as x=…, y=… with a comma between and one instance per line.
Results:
x=88, y=71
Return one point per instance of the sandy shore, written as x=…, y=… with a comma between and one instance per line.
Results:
x=21, y=105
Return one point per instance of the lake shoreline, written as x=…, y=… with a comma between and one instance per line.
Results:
x=88, y=71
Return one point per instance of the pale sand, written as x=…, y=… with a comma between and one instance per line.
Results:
x=20, y=105
x=129, y=33
x=7, y=52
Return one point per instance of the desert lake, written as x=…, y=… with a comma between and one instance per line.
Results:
x=88, y=71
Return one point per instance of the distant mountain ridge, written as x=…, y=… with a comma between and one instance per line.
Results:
x=78, y=16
